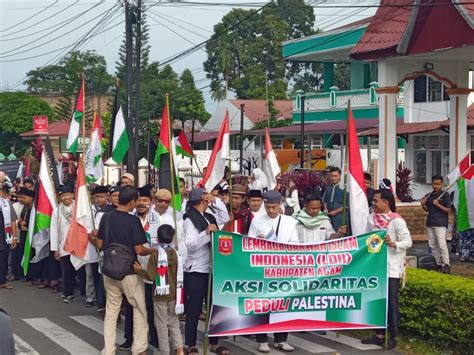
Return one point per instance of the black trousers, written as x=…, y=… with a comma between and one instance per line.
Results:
x=16, y=257
x=38, y=271
x=195, y=293
x=54, y=269
x=4, y=265
x=128, y=311
x=393, y=310
x=68, y=275
x=278, y=337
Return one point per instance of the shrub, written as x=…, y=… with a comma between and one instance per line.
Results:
x=439, y=309
x=404, y=183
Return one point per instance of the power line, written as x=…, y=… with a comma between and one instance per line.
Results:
x=191, y=50
x=6, y=55
x=164, y=17
x=69, y=20
x=37, y=23
x=76, y=45
x=170, y=30
x=29, y=18
x=181, y=20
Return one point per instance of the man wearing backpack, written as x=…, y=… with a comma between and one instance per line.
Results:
x=122, y=237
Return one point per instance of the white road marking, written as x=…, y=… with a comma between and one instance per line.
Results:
x=22, y=347
x=65, y=339
x=349, y=341
x=97, y=325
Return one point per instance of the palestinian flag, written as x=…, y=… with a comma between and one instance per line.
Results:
x=76, y=120
x=77, y=243
x=182, y=144
x=94, y=167
x=165, y=160
x=118, y=133
x=40, y=218
x=462, y=177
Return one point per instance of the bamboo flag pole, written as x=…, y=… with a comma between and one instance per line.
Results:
x=345, y=167
x=172, y=172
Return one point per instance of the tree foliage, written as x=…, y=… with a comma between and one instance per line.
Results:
x=16, y=116
x=64, y=79
x=248, y=59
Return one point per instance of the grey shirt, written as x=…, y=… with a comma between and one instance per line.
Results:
x=13, y=217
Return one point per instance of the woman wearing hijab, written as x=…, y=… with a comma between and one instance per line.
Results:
x=258, y=180
x=314, y=224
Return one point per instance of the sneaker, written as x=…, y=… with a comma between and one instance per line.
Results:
x=69, y=299
x=287, y=348
x=374, y=341
x=263, y=348
x=101, y=310
x=126, y=345
x=391, y=344
x=90, y=303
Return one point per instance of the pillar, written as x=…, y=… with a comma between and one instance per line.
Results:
x=357, y=75
x=328, y=76
x=458, y=145
x=387, y=100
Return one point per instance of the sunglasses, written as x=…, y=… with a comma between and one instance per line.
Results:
x=159, y=200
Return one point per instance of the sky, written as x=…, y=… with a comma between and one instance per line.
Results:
x=34, y=33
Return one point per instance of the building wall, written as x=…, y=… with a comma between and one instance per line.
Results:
x=422, y=111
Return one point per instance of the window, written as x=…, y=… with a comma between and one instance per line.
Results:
x=431, y=157
x=429, y=90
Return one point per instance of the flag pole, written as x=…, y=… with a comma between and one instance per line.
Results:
x=346, y=172
x=83, y=117
x=172, y=172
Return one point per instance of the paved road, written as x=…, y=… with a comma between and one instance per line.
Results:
x=43, y=324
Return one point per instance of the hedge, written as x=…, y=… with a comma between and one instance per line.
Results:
x=439, y=309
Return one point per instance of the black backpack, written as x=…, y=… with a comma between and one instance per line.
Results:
x=118, y=258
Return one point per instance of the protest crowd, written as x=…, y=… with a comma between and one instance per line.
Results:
x=170, y=249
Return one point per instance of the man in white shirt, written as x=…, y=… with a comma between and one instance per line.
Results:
x=398, y=240
x=198, y=227
x=60, y=223
x=274, y=226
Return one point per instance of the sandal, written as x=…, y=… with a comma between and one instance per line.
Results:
x=221, y=350
x=29, y=283
x=42, y=286
x=6, y=287
x=192, y=350
x=54, y=289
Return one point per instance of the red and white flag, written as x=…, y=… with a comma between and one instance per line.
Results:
x=358, y=202
x=219, y=156
x=271, y=168
x=77, y=242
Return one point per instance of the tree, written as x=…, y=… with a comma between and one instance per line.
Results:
x=64, y=79
x=16, y=116
x=189, y=103
x=247, y=59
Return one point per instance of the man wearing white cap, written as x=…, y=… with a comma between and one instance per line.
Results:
x=127, y=179
x=276, y=227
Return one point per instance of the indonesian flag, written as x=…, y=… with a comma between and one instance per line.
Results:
x=118, y=133
x=76, y=120
x=40, y=218
x=463, y=182
x=219, y=156
x=271, y=168
x=358, y=203
x=77, y=242
x=94, y=165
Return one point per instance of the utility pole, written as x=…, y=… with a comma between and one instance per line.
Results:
x=137, y=78
x=129, y=84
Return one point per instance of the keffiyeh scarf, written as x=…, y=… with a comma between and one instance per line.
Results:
x=310, y=222
x=162, y=287
x=7, y=219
